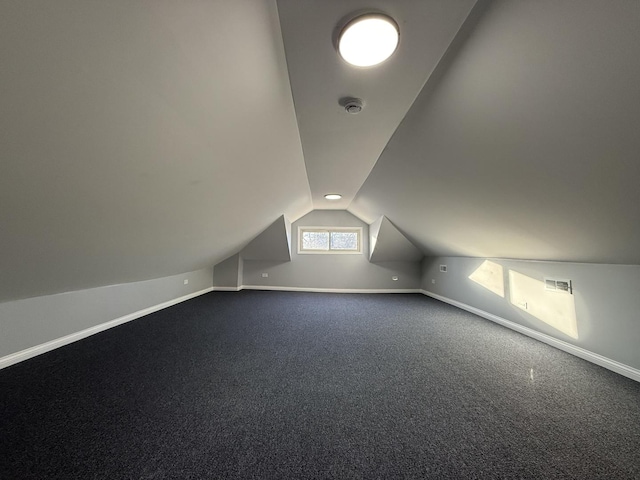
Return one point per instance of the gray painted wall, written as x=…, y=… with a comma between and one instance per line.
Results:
x=228, y=273
x=332, y=271
x=274, y=243
x=390, y=243
x=607, y=303
x=33, y=321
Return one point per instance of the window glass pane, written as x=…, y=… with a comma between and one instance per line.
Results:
x=315, y=240
x=344, y=241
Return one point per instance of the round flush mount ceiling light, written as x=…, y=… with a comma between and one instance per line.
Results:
x=333, y=196
x=368, y=40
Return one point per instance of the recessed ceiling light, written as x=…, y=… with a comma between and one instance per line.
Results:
x=368, y=40
x=333, y=196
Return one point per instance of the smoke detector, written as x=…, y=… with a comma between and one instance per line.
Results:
x=353, y=105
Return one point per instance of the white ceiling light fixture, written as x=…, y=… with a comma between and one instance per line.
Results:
x=333, y=196
x=368, y=40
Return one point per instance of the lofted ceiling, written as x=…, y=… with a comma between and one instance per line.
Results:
x=140, y=139
x=149, y=138
x=524, y=144
x=341, y=149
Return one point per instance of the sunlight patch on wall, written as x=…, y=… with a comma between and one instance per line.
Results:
x=490, y=276
x=556, y=309
x=372, y=244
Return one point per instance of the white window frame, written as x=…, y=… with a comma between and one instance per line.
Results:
x=357, y=230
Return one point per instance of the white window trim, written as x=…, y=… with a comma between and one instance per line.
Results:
x=357, y=230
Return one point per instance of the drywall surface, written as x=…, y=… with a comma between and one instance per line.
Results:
x=332, y=271
x=272, y=244
x=228, y=273
x=605, y=304
x=34, y=321
x=387, y=243
x=128, y=130
x=524, y=142
x=340, y=150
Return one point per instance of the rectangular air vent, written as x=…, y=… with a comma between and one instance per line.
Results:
x=555, y=285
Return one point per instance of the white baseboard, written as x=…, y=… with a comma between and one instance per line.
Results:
x=31, y=352
x=227, y=289
x=331, y=290
x=605, y=362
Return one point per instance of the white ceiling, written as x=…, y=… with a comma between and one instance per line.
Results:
x=525, y=143
x=140, y=139
x=340, y=149
x=144, y=139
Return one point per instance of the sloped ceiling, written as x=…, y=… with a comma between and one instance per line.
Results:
x=140, y=139
x=272, y=244
x=144, y=139
x=525, y=143
x=341, y=149
x=388, y=244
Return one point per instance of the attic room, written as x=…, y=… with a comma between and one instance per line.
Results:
x=232, y=248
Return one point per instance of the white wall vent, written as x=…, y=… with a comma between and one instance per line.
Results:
x=555, y=285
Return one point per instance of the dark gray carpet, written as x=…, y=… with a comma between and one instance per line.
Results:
x=303, y=385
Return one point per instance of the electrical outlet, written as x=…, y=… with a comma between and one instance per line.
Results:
x=186, y=281
x=443, y=268
x=433, y=280
x=265, y=275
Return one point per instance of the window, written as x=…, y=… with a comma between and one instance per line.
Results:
x=329, y=240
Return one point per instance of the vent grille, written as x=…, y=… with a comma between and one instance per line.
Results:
x=555, y=285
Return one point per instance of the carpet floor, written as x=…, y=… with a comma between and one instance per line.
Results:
x=261, y=385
